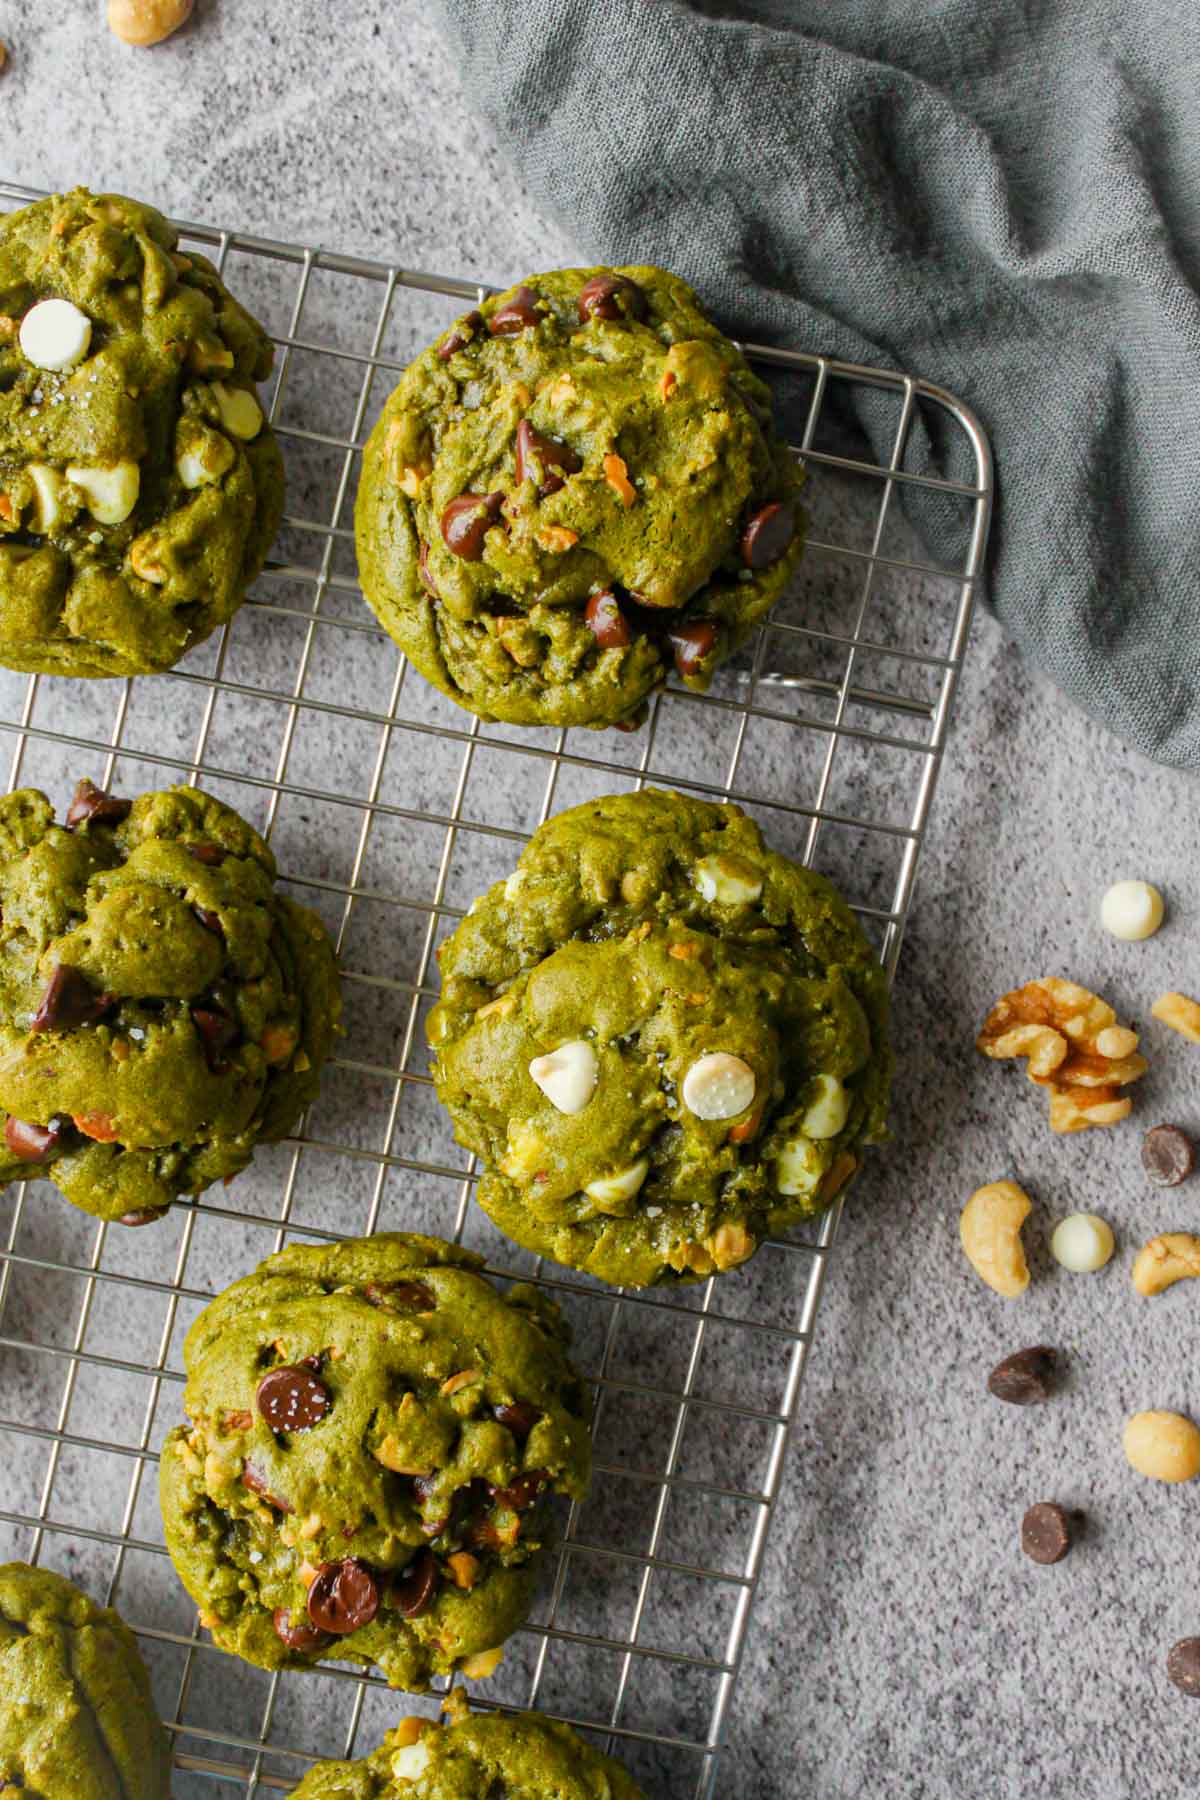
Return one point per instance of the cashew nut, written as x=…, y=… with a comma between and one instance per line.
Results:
x=1163, y=1445
x=1180, y=1012
x=990, y=1229
x=1173, y=1256
x=147, y=21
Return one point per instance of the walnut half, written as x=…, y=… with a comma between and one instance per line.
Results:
x=1074, y=1048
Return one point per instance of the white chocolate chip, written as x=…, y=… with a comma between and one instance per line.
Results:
x=205, y=460
x=799, y=1168
x=55, y=335
x=410, y=1761
x=1082, y=1243
x=567, y=1076
x=50, y=500
x=611, y=1190
x=718, y=1086
x=110, y=494
x=728, y=880
x=1132, y=910
x=240, y=412
x=827, y=1114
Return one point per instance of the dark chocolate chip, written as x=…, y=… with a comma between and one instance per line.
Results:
x=467, y=521
x=611, y=297
x=343, y=1597
x=32, y=1143
x=145, y=1215
x=523, y=1491
x=691, y=644
x=1026, y=1377
x=297, y=1634
x=415, y=1589
x=519, y=1417
x=257, y=1485
x=70, y=1000
x=91, y=802
x=218, y=1033
x=606, y=621
x=210, y=854
x=292, y=1399
x=515, y=314
x=401, y=1296
x=1046, y=1532
x=462, y=334
x=211, y=921
x=767, y=535
x=1167, y=1155
x=544, y=460
x=427, y=581
x=1183, y=1666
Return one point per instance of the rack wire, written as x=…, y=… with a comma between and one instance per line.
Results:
x=388, y=809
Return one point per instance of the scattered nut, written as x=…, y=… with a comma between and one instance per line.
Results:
x=1082, y=1243
x=1173, y=1256
x=55, y=335
x=1074, y=1047
x=718, y=1086
x=990, y=1230
x=1026, y=1377
x=145, y=22
x=1183, y=1666
x=1180, y=1013
x=567, y=1076
x=1167, y=1155
x=1046, y=1532
x=1131, y=910
x=1163, y=1445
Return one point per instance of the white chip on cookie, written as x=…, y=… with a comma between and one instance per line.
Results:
x=55, y=335
x=567, y=1076
x=728, y=880
x=718, y=1086
x=1131, y=910
x=110, y=494
x=614, y=1190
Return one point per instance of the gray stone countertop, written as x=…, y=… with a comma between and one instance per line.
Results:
x=902, y=1646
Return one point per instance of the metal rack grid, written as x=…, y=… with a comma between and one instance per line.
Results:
x=388, y=809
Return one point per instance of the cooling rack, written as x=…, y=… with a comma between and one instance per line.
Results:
x=388, y=810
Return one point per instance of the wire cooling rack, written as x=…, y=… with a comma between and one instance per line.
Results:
x=389, y=809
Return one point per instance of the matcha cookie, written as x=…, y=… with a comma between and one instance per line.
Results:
x=77, y=1720
x=140, y=488
x=162, y=1007
x=575, y=490
x=526, y=1757
x=663, y=1040
x=374, y=1431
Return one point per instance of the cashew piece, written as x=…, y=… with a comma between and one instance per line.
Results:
x=1163, y=1445
x=1173, y=1256
x=990, y=1229
x=147, y=21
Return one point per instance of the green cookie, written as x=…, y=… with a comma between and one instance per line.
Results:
x=372, y=1428
x=663, y=1040
x=77, y=1720
x=526, y=1757
x=575, y=490
x=162, y=1007
x=140, y=488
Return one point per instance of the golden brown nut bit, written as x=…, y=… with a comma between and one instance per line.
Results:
x=1074, y=1048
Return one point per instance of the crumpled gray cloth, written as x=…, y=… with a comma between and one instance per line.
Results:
x=1000, y=195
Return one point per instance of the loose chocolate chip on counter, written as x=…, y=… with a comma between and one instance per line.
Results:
x=211, y=921
x=515, y=314
x=1167, y=1155
x=462, y=334
x=257, y=1485
x=402, y=1296
x=91, y=802
x=519, y=1417
x=70, y=1000
x=1046, y=1532
x=211, y=855
x=297, y=1634
x=1026, y=1377
x=415, y=1588
x=218, y=1033
x=292, y=1399
x=691, y=644
x=545, y=460
x=343, y=1597
x=427, y=581
x=145, y=1215
x=767, y=535
x=606, y=621
x=467, y=521
x=523, y=1491
x=31, y=1143
x=611, y=297
x=1183, y=1666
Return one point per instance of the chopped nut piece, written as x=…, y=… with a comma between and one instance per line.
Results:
x=143, y=560
x=730, y=1245
x=687, y=1255
x=1181, y=1013
x=668, y=384
x=310, y=1526
x=464, y=1569
x=498, y=1008
x=410, y=480
x=410, y=1729
x=556, y=538
x=482, y=1664
x=455, y=1383
x=685, y=952
x=617, y=477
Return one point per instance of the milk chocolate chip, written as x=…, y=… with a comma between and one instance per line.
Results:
x=767, y=535
x=606, y=621
x=1046, y=1532
x=31, y=1143
x=1167, y=1155
x=1026, y=1377
x=91, y=802
x=297, y=1634
x=292, y=1399
x=343, y=1597
x=611, y=297
x=515, y=314
x=467, y=521
x=545, y=460
x=462, y=334
x=415, y=1588
x=691, y=644
x=70, y=1000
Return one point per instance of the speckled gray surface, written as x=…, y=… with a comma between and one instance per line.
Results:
x=902, y=1645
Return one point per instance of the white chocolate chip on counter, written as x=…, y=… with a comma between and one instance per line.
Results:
x=55, y=335
x=567, y=1076
x=718, y=1086
x=240, y=412
x=1082, y=1243
x=728, y=880
x=1131, y=910
x=614, y=1190
x=110, y=495
x=828, y=1112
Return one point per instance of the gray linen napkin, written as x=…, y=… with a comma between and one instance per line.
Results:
x=1000, y=195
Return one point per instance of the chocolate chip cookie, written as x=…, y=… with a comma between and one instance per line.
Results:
x=575, y=491
x=77, y=1718
x=140, y=487
x=373, y=1433
x=663, y=1040
x=162, y=1007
